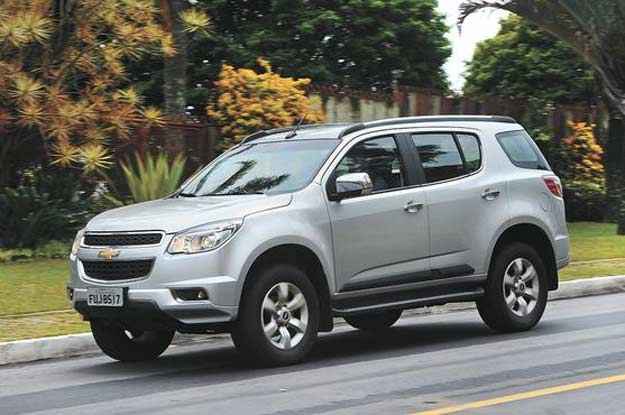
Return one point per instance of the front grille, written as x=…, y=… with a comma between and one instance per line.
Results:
x=122, y=239
x=117, y=270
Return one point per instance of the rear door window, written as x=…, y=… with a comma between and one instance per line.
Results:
x=439, y=155
x=521, y=150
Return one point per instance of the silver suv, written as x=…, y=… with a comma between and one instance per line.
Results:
x=296, y=226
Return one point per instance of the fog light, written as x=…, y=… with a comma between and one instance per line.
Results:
x=70, y=294
x=190, y=294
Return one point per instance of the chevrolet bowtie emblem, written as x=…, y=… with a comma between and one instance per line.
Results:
x=108, y=254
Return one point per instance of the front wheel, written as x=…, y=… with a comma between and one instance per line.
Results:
x=516, y=290
x=374, y=321
x=128, y=345
x=278, y=318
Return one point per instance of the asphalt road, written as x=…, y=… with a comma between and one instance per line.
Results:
x=572, y=363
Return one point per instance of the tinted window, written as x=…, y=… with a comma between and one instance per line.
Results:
x=439, y=156
x=470, y=147
x=522, y=150
x=269, y=168
x=378, y=157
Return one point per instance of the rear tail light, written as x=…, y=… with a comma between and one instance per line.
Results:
x=553, y=184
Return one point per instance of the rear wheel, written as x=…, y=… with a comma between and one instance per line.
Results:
x=374, y=321
x=128, y=345
x=516, y=290
x=278, y=318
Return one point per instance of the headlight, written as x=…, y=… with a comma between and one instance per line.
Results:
x=205, y=238
x=77, y=241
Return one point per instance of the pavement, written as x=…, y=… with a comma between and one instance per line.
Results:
x=572, y=363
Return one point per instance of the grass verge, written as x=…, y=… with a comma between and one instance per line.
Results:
x=34, y=286
x=41, y=325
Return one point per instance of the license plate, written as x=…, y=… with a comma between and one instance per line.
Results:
x=105, y=297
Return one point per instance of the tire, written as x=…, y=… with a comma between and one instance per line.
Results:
x=126, y=346
x=515, y=297
x=292, y=329
x=374, y=321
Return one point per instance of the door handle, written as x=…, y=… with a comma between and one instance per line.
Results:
x=413, y=207
x=490, y=194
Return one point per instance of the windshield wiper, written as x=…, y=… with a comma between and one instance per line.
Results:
x=186, y=195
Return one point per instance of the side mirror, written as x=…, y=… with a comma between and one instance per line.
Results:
x=352, y=185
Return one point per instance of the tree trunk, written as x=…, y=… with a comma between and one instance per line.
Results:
x=615, y=170
x=175, y=72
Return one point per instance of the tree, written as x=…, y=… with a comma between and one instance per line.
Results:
x=360, y=44
x=523, y=62
x=249, y=101
x=181, y=21
x=62, y=68
x=594, y=30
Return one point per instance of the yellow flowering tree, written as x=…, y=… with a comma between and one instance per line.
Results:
x=63, y=76
x=248, y=101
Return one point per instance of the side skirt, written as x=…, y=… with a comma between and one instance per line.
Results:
x=413, y=295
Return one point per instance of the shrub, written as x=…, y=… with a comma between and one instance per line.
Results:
x=42, y=208
x=581, y=156
x=585, y=202
x=53, y=249
x=578, y=160
x=49, y=250
x=249, y=101
x=154, y=177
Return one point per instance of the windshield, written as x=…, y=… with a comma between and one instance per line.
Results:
x=269, y=168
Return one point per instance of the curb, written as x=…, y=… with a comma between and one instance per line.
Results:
x=46, y=348
x=23, y=351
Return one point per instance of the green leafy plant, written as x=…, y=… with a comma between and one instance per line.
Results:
x=152, y=177
x=41, y=208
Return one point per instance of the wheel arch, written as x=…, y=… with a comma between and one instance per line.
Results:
x=533, y=234
x=302, y=256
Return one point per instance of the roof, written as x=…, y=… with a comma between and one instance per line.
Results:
x=338, y=131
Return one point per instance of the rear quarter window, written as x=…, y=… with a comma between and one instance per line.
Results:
x=521, y=150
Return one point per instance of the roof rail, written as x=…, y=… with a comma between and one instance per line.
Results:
x=265, y=133
x=424, y=119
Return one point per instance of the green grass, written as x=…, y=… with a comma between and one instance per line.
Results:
x=603, y=268
x=41, y=325
x=592, y=241
x=29, y=287
x=39, y=286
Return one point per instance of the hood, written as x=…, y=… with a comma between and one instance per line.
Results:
x=178, y=214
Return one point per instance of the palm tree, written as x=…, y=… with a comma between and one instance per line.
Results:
x=594, y=29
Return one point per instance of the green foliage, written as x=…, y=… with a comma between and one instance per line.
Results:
x=584, y=202
x=351, y=43
x=43, y=207
x=524, y=62
x=153, y=177
x=49, y=250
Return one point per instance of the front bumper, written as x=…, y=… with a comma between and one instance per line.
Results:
x=151, y=298
x=157, y=308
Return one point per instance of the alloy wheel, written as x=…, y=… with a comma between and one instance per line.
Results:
x=521, y=287
x=284, y=315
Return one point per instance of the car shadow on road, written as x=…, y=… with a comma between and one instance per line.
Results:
x=340, y=347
